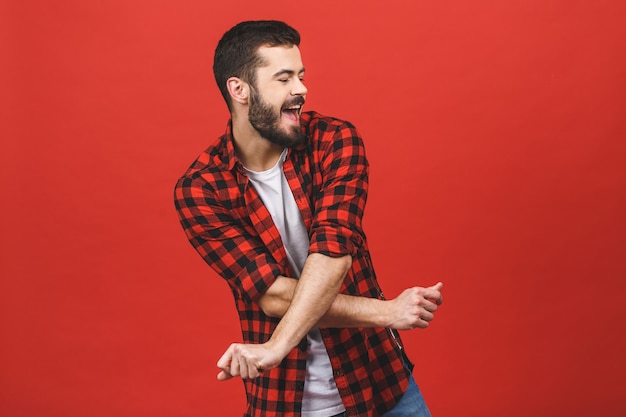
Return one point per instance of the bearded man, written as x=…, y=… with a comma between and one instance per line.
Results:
x=275, y=208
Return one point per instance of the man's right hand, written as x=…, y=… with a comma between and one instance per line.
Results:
x=248, y=360
x=414, y=307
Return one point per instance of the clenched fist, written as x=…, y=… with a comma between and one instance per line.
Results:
x=414, y=307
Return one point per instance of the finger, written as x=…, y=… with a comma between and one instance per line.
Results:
x=224, y=364
x=230, y=361
x=223, y=375
x=234, y=367
x=428, y=305
x=426, y=315
x=432, y=294
x=243, y=368
x=422, y=324
x=255, y=370
x=438, y=286
x=224, y=361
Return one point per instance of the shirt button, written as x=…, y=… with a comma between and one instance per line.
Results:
x=338, y=372
x=300, y=386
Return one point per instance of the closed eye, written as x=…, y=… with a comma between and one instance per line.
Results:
x=285, y=75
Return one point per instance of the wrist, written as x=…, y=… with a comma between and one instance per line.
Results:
x=280, y=346
x=386, y=318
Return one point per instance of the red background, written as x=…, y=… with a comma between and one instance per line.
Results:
x=496, y=135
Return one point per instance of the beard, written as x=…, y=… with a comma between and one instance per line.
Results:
x=266, y=121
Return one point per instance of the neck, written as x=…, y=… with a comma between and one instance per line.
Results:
x=253, y=150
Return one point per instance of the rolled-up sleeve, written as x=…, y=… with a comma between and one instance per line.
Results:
x=336, y=229
x=219, y=236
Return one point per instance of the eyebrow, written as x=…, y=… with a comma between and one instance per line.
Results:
x=286, y=72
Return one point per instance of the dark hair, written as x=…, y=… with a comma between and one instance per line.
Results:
x=236, y=53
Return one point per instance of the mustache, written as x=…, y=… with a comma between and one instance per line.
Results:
x=296, y=101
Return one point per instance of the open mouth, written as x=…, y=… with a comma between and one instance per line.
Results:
x=292, y=112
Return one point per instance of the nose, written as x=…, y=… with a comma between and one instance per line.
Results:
x=299, y=89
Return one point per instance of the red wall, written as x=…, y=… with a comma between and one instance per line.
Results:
x=497, y=139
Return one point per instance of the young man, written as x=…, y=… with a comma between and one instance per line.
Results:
x=275, y=207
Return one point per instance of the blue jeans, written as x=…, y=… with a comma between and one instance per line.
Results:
x=411, y=404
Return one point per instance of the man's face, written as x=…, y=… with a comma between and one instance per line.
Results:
x=278, y=95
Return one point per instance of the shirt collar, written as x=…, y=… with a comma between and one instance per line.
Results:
x=229, y=159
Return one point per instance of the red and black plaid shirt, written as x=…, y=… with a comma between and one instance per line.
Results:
x=227, y=223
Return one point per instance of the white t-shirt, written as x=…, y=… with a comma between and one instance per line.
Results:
x=321, y=397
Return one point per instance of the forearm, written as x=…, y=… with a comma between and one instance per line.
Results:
x=321, y=305
x=346, y=311
x=314, y=293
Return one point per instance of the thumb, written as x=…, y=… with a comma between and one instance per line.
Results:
x=437, y=287
x=223, y=376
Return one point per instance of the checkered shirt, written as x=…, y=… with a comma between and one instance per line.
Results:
x=227, y=223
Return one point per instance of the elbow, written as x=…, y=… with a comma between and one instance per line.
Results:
x=345, y=265
x=340, y=267
x=273, y=307
x=272, y=312
x=329, y=267
x=275, y=301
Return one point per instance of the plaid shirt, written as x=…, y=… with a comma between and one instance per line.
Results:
x=227, y=223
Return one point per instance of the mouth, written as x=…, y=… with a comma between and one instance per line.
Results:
x=293, y=111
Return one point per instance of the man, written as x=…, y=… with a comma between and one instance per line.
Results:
x=275, y=207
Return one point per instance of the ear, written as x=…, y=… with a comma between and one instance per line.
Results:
x=238, y=89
